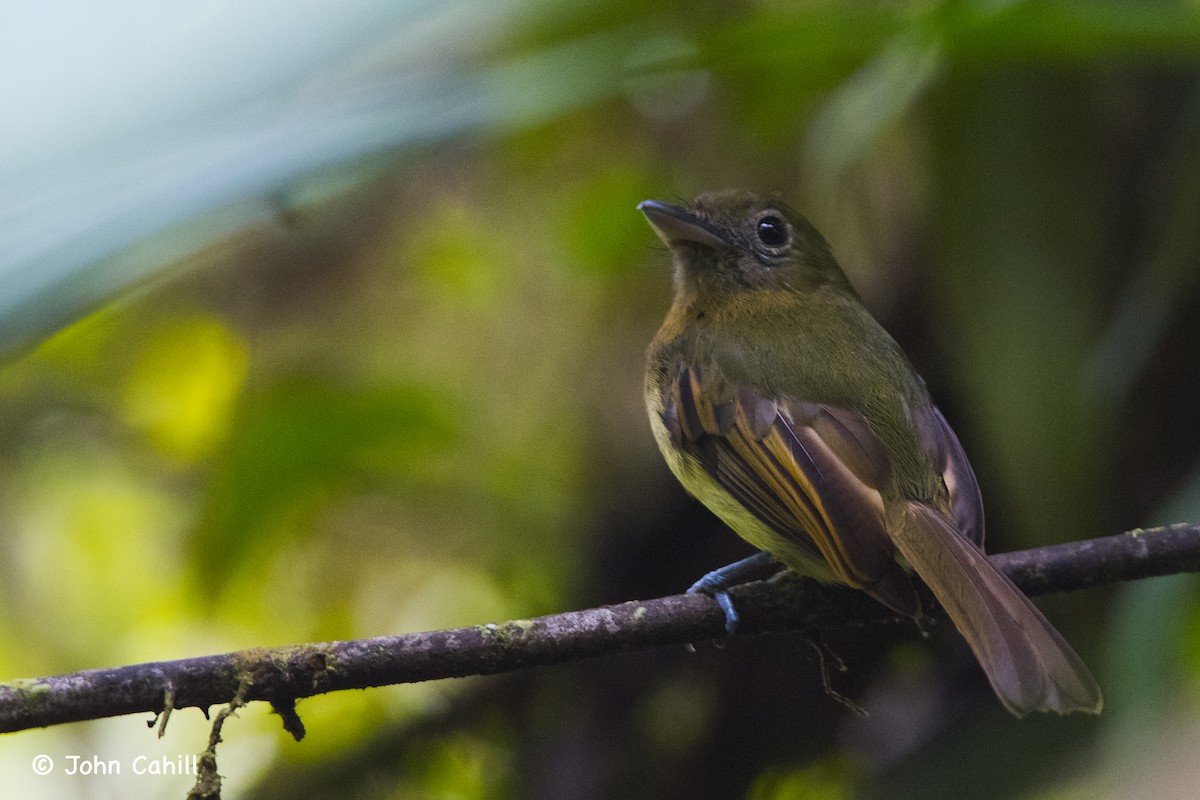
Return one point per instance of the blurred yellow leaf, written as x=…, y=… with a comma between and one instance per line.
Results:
x=183, y=385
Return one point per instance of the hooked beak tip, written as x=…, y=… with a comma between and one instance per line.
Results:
x=674, y=224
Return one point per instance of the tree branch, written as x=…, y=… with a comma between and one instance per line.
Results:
x=284, y=674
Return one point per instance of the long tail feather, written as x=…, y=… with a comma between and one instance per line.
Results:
x=1029, y=664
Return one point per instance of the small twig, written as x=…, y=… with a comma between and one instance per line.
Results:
x=283, y=675
x=168, y=707
x=824, y=655
x=208, y=780
x=286, y=709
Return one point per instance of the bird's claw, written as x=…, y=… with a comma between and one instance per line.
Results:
x=715, y=585
x=705, y=586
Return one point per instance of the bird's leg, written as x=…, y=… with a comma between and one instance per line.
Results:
x=717, y=583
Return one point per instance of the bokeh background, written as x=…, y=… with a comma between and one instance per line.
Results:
x=326, y=320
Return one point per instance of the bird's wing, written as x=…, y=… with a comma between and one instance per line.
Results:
x=814, y=474
x=946, y=454
x=811, y=472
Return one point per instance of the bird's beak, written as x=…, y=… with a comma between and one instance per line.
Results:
x=674, y=224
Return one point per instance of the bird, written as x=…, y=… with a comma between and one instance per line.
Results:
x=780, y=403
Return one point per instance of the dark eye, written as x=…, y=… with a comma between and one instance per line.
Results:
x=772, y=231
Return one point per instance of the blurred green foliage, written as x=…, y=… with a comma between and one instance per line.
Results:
x=405, y=394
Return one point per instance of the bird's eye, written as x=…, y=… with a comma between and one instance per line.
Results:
x=772, y=231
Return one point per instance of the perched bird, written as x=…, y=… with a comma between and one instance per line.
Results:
x=779, y=402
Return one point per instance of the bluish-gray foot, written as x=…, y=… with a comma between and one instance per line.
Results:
x=717, y=583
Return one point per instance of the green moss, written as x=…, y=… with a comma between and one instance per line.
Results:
x=506, y=632
x=34, y=692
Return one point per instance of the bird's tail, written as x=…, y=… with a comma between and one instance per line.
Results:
x=1030, y=666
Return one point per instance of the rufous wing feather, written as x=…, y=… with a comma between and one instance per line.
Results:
x=810, y=472
x=947, y=457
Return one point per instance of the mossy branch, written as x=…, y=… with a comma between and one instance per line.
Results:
x=283, y=675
